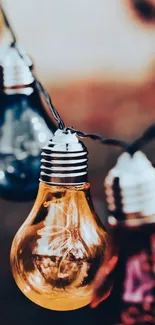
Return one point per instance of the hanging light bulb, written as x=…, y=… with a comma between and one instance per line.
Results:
x=58, y=249
x=23, y=128
x=128, y=272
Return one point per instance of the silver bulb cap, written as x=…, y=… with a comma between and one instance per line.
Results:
x=15, y=71
x=130, y=187
x=64, y=160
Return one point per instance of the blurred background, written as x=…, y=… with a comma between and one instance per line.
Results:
x=97, y=60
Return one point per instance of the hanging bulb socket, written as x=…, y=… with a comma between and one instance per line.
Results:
x=130, y=189
x=64, y=160
x=14, y=70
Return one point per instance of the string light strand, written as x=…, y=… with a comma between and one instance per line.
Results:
x=38, y=84
x=143, y=140
x=8, y=26
x=147, y=136
x=101, y=139
x=48, y=100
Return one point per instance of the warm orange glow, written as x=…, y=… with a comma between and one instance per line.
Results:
x=57, y=251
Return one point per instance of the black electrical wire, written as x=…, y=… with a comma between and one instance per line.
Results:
x=139, y=143
x=56, y=115
x=38, y=84
x=8, y=25
x=48, y=100
x=101, y=139
x=147, y=136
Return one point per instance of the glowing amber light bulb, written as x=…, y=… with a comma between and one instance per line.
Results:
x=58, y=249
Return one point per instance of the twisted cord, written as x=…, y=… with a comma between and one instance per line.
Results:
x=146, y=137
x=48, y=100
x=7, y=23
x=101, y=139
x=143, y=140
